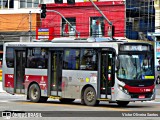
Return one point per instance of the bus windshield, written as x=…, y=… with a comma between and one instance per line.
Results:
x=136, y=67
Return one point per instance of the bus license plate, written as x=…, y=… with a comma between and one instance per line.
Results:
x=142, y=96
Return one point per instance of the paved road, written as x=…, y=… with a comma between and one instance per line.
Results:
x=54, y=108
x=19, y=103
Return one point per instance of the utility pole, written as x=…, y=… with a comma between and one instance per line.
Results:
x=30, y=26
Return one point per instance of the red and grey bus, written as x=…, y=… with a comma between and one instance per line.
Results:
x=92, y=71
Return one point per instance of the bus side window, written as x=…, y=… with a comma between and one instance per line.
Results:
x=10, y=57
x=88, y=59
x=71, y=59
x=37, y=58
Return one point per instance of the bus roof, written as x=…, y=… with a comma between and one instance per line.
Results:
x=72, y=42
x=65, y=44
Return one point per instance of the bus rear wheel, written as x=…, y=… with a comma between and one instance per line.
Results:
x=89, y=97
x=35, y=94
x=122, y=103
x=66, y=100
x=158, y=80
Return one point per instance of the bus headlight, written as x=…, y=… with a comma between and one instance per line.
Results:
x=123, y=89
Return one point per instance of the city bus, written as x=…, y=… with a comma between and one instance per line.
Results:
x=90, y=70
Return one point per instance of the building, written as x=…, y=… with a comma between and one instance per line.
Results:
x=18, y=19
x=86, y=19
x=140, y=19
x=131, y=18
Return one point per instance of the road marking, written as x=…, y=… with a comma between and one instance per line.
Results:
x=153, y=102
x=4, y=101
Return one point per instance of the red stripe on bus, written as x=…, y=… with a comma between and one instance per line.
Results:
x=139, y=89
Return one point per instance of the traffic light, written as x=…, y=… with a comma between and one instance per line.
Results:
x=71, y=2
x=113, y=30
x=43, y=8
x=58, y=1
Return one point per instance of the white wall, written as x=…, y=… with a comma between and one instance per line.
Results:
x=17, y=11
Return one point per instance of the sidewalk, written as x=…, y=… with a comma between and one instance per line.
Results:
x=1, y=88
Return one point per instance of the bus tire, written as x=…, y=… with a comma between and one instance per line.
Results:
x=66, y=100
x=89, y=97
x=122, y=103
x=35, y=94
x=158, y=80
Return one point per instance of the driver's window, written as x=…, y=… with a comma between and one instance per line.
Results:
x=88, y=59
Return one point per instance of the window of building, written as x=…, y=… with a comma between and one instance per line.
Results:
x=10, y=57
x=71, y=59
x=36, y=2
x=6, y=4
x=29, y=3
x=97, y=26
x=37, y=58
x=88, y=59
x=67, y=30
x=22, y=4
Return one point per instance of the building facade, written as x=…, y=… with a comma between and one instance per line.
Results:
x=86, y=19
x=18, y=19
x=131, y=18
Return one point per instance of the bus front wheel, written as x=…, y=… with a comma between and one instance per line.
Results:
x=35, y=94
x=122, y=103
x=158, y=80
x=89, y=97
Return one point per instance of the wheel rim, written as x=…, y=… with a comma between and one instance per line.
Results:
x=34, y=93
x=90, y=96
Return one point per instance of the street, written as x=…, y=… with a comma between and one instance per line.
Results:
x=54, y=108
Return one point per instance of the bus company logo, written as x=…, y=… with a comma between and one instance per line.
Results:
x=6, y=115
x=27, y=78
x=42, y=83
x=10, y=76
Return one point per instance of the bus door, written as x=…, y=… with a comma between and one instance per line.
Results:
x=56, y=61
x=106, y=73
x=20, y=61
